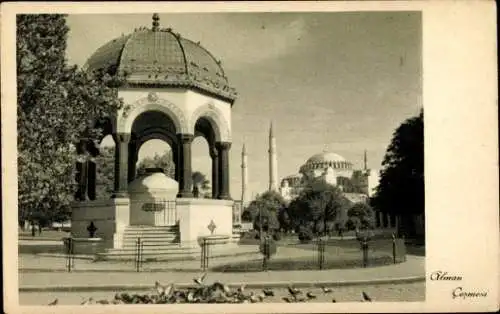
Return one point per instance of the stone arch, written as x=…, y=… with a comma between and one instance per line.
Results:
x=217, y=121
x=130, y=113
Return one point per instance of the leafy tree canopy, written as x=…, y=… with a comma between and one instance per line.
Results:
x=163, y=161
x=105, y=164
x=361, y=215
x=269, y=201
x=201, y=185
x=57, y=106
x=318, y=203
x=401, y=187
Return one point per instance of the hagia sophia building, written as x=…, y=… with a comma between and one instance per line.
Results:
x=329, y=166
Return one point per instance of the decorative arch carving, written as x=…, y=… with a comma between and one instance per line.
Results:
x=152, y=103
x=217, y=120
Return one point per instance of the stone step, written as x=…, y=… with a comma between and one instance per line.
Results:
x=150, y=236
x=151, y=231
x=154, y=249
x=153, y=228
x=152, y=257
x=152, y=244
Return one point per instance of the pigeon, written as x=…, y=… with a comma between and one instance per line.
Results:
x=287, y=300
x=294, y=291
x=326, y=290
x=87, y=301
x=241, y=289
x=366, y=297
x=254, y=298
x=102, y=302
x=310, y=295
x=159, y=288
x=268, y=292
x=54, y=302
x=190, y=296
x=201, y=279
x=334, y=301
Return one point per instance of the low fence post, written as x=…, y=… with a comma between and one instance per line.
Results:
x=321, y=253
x=138, y=254
x=266, y=254
x=204, y=254
x=394, y=248
x=365, y=252
x=69, y=255
x=404, y=246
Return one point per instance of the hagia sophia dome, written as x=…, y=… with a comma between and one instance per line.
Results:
x=326, y=159
x=161, y=57
x=330, y=167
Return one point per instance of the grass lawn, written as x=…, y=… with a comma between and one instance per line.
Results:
x=47, y=235
x=305, y=257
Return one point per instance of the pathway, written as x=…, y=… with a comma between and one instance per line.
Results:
x=412, y=269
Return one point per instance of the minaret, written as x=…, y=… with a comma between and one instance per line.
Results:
x=273, y=161
x=244, y=174
x=365, y=161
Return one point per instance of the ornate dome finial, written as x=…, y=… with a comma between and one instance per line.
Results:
x=156, y=22
x=325, y=150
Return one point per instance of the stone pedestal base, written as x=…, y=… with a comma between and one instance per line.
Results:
x=110, y=217
x=195, y=215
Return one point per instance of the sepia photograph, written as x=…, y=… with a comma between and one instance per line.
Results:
x=164, y=147
x=268, y=157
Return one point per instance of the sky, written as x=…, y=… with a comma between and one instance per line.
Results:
x=336, y=81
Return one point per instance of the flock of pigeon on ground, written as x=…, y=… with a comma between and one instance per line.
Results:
x=213, y=293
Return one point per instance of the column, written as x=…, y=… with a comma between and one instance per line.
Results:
x=81, y=180
x=215, y=172
x=184, y=165
x=223, y=182
x=92, y=176
x=121, y=164
x=132, y=160
x=388, y=221
x=175, y=153
x=81, y=171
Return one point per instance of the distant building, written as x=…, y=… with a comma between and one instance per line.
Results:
x=357, y=185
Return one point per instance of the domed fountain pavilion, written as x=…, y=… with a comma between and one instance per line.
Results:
x=174, y=90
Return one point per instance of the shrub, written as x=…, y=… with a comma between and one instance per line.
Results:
x=277, y=236
x=305, y=234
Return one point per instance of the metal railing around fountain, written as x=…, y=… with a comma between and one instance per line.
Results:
x=205, y=253
x=70, y=256
x=139, y=259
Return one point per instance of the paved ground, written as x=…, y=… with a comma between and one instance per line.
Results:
x=413, y=267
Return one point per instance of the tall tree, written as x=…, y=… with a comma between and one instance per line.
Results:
x=266, y=207
x=401, y=187
x=361, y=215
x=105, y=164
x=57, y=106
x=318, y=205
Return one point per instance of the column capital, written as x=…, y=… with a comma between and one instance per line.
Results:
x=121, y=137
x=185, y=137
x=213, y=152
x=223, y=145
